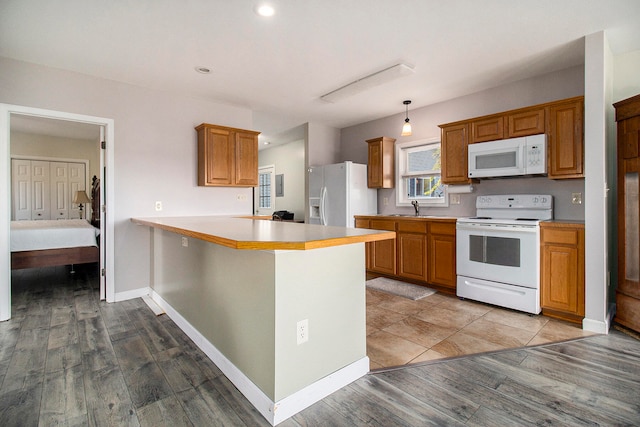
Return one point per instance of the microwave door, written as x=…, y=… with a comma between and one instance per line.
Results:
x=495, y=162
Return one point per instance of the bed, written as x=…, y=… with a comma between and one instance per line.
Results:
x=54, y=242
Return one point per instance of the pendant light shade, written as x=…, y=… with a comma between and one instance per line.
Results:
x=406, y=128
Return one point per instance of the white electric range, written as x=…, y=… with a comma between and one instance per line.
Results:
x=498, y=250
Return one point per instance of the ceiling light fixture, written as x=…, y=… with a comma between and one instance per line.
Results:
x=265, y=10
x=203, y=70
x=367, y=82
x=406, y=127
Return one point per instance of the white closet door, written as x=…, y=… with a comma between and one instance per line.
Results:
x=40, y=187
x=60, y=199
x=77, y=182
x=21, y=189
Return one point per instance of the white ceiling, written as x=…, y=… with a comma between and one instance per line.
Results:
x=280, y=66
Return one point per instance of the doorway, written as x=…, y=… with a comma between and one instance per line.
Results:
x=106, y=129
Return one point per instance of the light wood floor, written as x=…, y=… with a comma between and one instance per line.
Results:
x=68, y=359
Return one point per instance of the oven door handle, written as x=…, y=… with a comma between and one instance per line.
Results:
x=497, y=227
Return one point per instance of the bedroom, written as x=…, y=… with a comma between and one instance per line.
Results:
x=51, y=160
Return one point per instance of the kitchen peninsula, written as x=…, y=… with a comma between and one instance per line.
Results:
x=279, y=307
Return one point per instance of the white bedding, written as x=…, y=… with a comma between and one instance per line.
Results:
x=64, y=233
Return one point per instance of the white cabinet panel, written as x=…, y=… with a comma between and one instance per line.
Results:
x=45, y=189
x=21, y=189
x=40, y=185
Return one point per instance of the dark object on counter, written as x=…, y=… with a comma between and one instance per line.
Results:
x=282, y=216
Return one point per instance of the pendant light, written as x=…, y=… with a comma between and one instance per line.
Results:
x=406, y=128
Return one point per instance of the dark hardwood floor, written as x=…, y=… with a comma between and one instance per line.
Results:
x=68, y=359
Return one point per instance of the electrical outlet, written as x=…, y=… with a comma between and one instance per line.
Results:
x=302, y=331
x=158, y=206
x=454, y=199
x=241, y=197
x=385, y=201
x=576, y=198
x=185, y=242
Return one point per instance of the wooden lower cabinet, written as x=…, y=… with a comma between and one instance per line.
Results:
x=562, y=270
x=423, y=252
x=382, y=253
x=411, y=243
x=442, y=254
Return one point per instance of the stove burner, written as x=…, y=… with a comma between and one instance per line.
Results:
x=481, y=217
x=526, y=219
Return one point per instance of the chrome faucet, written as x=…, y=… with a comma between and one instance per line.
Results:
x=416, y=206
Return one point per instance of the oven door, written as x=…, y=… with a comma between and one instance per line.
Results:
x=499, y=252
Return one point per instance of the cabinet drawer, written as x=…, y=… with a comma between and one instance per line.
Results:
x=561, y=236
x=381, y=224
x=442, y=228
x=413, y=226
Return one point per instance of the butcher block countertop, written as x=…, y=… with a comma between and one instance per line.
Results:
x=257, y=234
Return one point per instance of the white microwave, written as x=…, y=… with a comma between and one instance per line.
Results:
x=508, y=157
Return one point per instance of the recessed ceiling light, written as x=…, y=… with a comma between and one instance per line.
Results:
x=265, y=10
x=203, y=70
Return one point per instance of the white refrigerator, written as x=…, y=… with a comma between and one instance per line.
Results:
x=338, y=192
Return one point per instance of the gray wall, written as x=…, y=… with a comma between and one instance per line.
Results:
x=288, y=160
x=549, y=87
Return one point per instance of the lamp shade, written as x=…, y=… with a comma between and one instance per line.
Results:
x=406, y=129
x=81, y=198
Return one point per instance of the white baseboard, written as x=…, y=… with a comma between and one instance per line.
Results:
x=135, y=293
x=273, y=412
x=597, y=326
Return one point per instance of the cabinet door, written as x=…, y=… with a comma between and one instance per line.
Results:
x=442, y=255
x=565, y=142
x=412, y=260
x=487, y=129
x=77, y=181
x=454, y=154
x=525, y=123
x=562, y=281
x=381, y=164
x=374, y=167
x=60, y=197
x=364, y=223
x=40, y=187
x=246, y=159
x=215, y=157
x=383, y=252
x=21, y=189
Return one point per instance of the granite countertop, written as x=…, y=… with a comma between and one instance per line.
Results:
x=257, y=234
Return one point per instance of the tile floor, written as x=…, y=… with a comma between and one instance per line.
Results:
x=401, y=331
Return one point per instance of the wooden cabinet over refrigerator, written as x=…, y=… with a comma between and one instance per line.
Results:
x=628, y=290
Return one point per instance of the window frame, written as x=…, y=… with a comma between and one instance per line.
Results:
x=271, y=170
x=402, y=149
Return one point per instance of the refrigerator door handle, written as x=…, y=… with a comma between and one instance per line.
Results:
x=323, y=196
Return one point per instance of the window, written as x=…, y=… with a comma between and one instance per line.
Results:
x=264, y=186
x=418, y=174
x=264, y=193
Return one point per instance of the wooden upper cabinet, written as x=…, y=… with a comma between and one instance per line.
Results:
x=487, y=129
x=565, y=143
x=246, y=158
x=525, y=123
x=454, y=140
x=381, y=165
x=227, y=156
